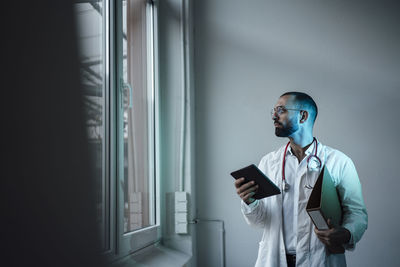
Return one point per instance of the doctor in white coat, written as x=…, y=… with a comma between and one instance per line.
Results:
x=289, y=237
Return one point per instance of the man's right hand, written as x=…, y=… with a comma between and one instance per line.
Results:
x=246, y=191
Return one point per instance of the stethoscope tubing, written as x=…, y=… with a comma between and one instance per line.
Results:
x=308, y=159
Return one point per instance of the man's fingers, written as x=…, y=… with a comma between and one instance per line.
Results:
x=329, y=237
x=248, y=196
x=251, y=189
x=324, y=239
x=245, y=191
x=324, y=233
x=321, y=234
x=244, y=187
x=330, y=225
x=238, y=182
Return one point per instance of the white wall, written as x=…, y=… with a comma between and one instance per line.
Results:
x=344, y=54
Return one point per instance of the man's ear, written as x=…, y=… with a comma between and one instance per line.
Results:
x=304, y=116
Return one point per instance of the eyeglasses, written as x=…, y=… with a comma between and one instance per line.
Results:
x=280, y=109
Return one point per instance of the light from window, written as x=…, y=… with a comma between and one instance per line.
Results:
x=138, y=119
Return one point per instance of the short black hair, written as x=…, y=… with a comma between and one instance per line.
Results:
x=305, y=100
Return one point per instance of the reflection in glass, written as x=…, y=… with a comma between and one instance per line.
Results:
x=89, y=16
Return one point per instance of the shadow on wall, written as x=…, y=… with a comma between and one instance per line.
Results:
x=48, y=216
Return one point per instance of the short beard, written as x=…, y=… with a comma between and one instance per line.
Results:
x=286, y=131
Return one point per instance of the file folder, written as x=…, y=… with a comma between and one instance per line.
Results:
x=324, y=202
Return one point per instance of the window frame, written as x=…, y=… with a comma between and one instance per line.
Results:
x=113, y=96
x=127, y=243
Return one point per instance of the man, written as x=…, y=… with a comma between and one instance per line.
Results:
x=289, y=237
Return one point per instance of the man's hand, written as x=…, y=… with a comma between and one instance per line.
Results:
x=334, y=238
x=245, y=191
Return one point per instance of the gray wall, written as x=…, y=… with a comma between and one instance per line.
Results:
x=174, y=21
x=343, y=53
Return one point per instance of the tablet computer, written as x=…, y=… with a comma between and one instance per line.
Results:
x=266, y=187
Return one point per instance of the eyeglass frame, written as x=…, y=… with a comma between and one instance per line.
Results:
x=281, y=111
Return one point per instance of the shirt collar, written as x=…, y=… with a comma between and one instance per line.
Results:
x=309, y=150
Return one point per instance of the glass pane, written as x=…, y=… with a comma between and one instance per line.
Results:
x=89, y=16
x=138, y=119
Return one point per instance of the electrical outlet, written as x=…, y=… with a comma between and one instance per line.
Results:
x=181, y=213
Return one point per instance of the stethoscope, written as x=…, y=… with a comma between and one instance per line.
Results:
x=313, y=164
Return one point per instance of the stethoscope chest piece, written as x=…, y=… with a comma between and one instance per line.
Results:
x=313, y=163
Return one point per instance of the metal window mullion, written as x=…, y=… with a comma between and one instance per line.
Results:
x=119, y=163
x=151, y=99
x=112, y=128
x=107, y=156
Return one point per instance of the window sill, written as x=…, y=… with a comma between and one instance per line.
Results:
x=154, y=256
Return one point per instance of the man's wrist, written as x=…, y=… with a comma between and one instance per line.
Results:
x=253, y=204
x=250, y=201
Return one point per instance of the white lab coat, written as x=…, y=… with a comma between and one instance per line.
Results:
x=310, y=251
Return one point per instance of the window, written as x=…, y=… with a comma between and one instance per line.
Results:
x=117, y=70
x=137, y=121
